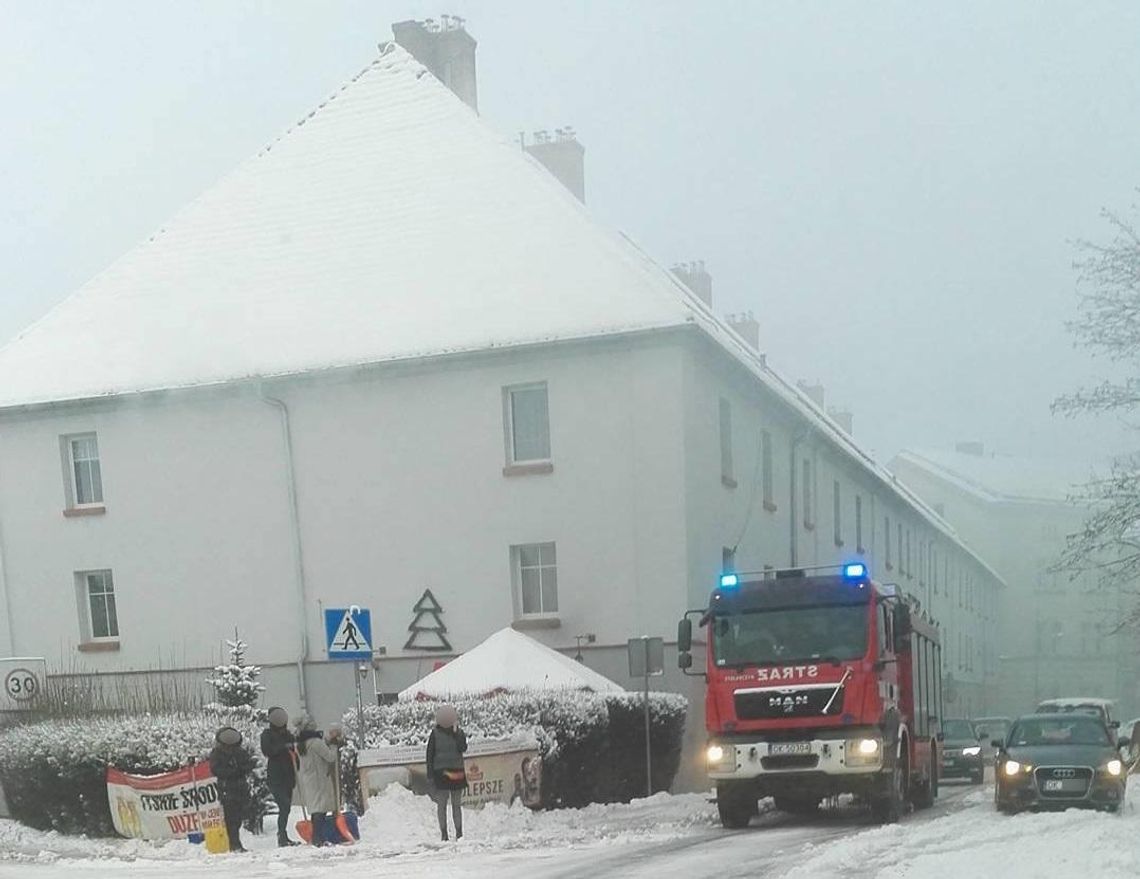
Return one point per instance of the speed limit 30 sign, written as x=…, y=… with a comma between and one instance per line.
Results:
x=23, y=679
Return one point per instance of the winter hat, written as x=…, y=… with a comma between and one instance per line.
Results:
x=278, y=717
x=227, y=735
x=446, y=715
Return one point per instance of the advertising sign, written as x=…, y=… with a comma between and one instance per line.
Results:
x=498, y=771
x=166, y=806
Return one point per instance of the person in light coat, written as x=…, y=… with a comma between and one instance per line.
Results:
x=316, y=783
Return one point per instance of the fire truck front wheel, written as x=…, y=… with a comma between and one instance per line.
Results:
x=890, y=799
x=736, y=803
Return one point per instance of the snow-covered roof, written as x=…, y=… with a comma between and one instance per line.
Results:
x=389, y=223
x=508, y=660
x=994, y=478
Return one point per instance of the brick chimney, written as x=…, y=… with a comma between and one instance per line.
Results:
x=843, y=418
x=745, y=326
x=814, y=392
x=563, y=156
x=694, y=276
x=446, y=49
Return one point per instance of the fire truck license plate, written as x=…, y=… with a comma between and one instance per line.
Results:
x=789, y=748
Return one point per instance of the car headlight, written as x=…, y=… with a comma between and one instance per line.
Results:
x=1011, y=767
x=1114, y=767
x=971, y=752
x=714, y=754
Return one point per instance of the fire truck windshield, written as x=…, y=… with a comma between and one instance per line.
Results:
x=790, y=635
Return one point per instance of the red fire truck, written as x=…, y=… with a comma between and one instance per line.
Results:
x=819, y=682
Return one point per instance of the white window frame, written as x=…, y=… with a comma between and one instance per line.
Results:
x=807, y=493
x=71, y=484
x=837, y=511
x=509, y=422
x=84, y=598
x=766, y=471
x=517, y=568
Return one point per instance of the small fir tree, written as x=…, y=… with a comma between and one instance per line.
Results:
x=236, y=685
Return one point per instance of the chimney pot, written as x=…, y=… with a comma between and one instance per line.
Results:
x=694, y=276
x=447, y=50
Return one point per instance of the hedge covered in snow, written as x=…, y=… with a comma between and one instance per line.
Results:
x=53, y=772
x=592, y=745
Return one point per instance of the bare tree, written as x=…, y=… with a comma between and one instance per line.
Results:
x=1108, y=325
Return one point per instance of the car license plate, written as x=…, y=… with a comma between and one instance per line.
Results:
x=789, y=748
x=1054, y=784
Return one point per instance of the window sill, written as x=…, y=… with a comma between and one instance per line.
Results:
x=770, y=507
x=537, y=468
x=524, y=624
x=727, y=481
x=93, y=510
x=109, y=646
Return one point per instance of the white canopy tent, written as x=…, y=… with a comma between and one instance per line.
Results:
x=507, y=661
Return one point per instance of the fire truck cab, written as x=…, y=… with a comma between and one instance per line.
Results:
x=819, y=682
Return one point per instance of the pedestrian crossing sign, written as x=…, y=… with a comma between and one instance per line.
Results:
x=348, y=633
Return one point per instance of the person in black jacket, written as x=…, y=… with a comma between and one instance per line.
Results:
x=445, y=748
x=277, y=744
x=231, y=765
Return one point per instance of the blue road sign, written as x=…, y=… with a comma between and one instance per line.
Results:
x=348, y=633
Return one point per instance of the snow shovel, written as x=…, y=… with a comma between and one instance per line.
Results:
x=347, y=824
x=304, y=827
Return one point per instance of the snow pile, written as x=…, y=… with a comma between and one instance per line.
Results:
x=508, y=660
x=978, y=842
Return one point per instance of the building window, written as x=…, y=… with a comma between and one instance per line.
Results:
x=728, y=559
x=528, y=423
x=909, y=567
x=85, y=477
x=726, y=475
x=899, y=549
x=809, y=514
x=859, y=523
x=536, y=578
x=933, y=569
x=887, y=532
x=836, y=511
x=766, y=469
x=100, y=619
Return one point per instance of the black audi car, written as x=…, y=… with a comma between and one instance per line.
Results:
x=962, y=752
x=1058, y=761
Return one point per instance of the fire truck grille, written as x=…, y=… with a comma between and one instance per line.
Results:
x=792, y=702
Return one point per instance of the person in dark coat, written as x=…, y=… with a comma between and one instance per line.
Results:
x=278, y=746
x=231, y=765
x=445, y=748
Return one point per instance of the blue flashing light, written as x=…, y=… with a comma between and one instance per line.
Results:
x=727, y=581
x=856, y=571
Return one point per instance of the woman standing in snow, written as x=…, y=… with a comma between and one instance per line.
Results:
x=445, y=748
x=231, y=765
x=315, y=780
x=277, y=746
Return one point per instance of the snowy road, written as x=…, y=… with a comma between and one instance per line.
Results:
x=662, y=837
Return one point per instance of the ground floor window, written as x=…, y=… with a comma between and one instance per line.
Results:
x=535, y=568
x=96, y=590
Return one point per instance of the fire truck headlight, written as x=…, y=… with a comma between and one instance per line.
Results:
x=714, y=754
x=1011, y=767
x=864, y=752
x=1114, y=767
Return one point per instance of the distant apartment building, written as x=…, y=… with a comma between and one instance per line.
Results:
x=1055, y=636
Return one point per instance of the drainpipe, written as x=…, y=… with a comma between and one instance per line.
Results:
x=298, y=556
x=798, y=437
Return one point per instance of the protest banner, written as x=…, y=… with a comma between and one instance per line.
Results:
x=166, y=806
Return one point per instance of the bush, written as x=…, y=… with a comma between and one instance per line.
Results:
x=54, y=773
x=592, y=745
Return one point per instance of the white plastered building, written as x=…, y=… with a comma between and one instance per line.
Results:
x=391, y=353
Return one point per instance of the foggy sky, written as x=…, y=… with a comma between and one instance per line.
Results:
x=892, y=188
